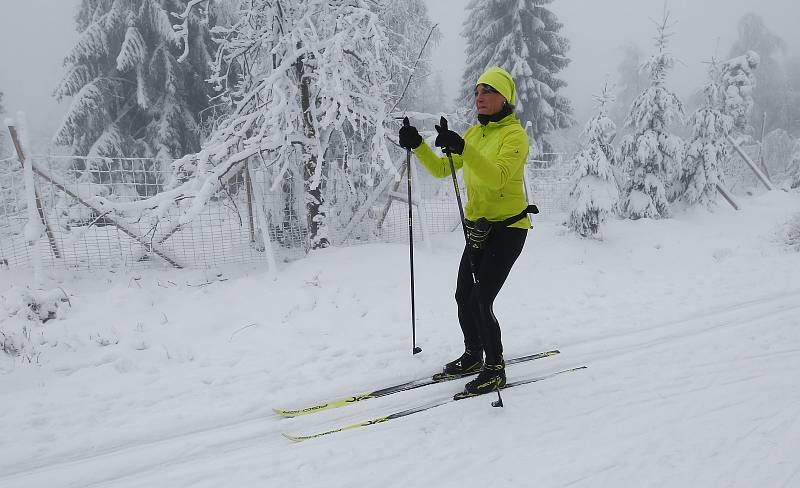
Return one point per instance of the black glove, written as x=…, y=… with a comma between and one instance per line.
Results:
x=409, y=137
x=449, y=141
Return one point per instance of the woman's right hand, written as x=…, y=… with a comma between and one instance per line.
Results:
x=409, y=136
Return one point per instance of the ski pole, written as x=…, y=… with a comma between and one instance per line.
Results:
x=473, y=269
x=460, y=208
x=414, y=348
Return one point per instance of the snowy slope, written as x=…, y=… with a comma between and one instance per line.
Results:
x=689, y=329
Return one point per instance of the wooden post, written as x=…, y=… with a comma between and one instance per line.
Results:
x=750, y=163
x=761, y=148
x=248, y=183
x=39, y=207
x=728, y=197
x=261, y=213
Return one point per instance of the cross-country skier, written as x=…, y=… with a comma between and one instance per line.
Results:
x=492, y=155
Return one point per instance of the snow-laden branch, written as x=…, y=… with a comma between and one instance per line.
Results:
x=182, y=29
x=414, y=68
x=308, y=82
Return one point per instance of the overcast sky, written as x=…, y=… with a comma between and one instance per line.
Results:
x=31, y=58
x=598, y=28
x=35, y=35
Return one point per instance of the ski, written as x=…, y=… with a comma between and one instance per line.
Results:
x=423, y=407
x=409, y=385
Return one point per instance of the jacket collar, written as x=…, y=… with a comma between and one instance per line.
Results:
x=502, y=114
x=507, y=120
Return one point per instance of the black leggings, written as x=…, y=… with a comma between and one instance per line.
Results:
x=493, y=263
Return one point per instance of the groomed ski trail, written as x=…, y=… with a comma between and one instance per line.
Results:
x=150, y=462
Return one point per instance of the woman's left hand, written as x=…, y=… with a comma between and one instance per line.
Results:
x=449, y=141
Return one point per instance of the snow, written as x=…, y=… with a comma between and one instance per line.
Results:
x=688, y=327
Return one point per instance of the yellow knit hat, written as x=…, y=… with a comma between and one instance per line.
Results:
x=500, y=80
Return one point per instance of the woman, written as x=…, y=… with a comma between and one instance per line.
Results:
x=492, y=155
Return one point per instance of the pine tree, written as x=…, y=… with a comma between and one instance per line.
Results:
x=652, y=155
x=594, y=190
x=315, y=86
x=521, y=36
x=738, y=82
x=708, y=149
x=131, y=97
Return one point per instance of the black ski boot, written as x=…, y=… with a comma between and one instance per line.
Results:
x=468, y=364
x=491, y=378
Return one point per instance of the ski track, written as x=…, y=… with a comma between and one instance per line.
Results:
x=134, y=462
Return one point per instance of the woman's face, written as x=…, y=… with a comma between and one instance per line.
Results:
x=487, y=100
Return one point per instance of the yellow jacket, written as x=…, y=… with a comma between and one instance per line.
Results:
x=493, y=162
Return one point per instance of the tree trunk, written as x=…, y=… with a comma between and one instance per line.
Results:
x=315, y=215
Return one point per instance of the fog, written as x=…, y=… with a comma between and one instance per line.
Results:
x=597, y=29
x=36, y=34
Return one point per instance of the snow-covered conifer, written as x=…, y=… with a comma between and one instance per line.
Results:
x=652, y=155
x=594, y=190
x=130, y=97
x=738, y=82
x=523, y=37
x=708, y=148
x=772, y=86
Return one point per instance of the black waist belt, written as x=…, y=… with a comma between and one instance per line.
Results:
x=477, y=232
x=483, y=225
x=530, y=209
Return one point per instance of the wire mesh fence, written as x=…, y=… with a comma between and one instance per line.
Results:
x=229, y=229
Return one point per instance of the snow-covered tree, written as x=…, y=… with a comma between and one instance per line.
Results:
x=738, y=83
x=594, y=189
x=412, y=90
x=523, y=37
x=708, y=148
x=793, y=96
x=770, y=89
x=652, y=155
x=406, y=41
x=130, y=95
x=315, y=86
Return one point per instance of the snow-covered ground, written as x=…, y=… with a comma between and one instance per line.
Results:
x=690, y=328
